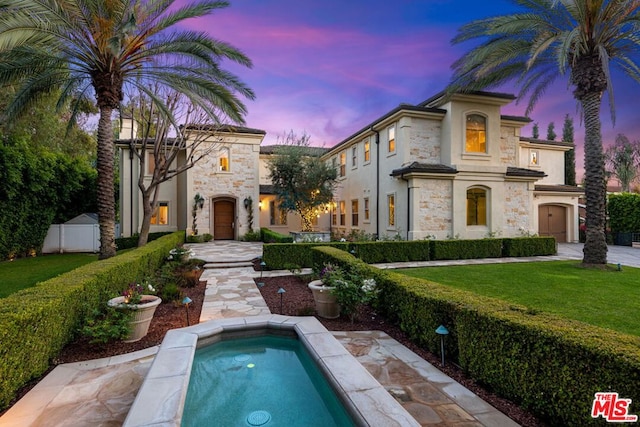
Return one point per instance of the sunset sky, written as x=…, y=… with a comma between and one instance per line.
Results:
x=331, y=67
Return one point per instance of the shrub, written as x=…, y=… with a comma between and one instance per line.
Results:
x=252, y=236
x=269, y=236
x=37, y=322
x=528, y=246
x=107, y=324
x=466, y=249
x=624, y=213
x=132, y=242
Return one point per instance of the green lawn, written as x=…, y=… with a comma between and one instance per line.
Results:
x=610, y=298
x=26, y=272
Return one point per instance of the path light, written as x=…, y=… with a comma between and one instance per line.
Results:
x=186, y=301
x=353, y=251
x=281, y=291
x=262, y=266
x=442, y=331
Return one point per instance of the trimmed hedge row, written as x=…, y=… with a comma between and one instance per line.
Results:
x=269, y=236
x=132, y=241
x=548, y=364
x=37, y=322
x=280, y=256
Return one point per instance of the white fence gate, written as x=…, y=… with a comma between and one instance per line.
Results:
x=72, y=238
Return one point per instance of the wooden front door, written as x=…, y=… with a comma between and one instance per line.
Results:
x=224, y=220
x=552, y=221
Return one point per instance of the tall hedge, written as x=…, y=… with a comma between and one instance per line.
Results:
x=37, y=322
x=35, y=190
x=624, y=213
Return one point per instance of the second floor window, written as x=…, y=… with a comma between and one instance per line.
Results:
x=343, y=163
x=224, y=160
x=476, y=138
x=392, y=139
x=354, y=156
x=367, y=151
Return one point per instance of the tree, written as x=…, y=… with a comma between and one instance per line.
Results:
x=536, y=131
x=551, y=132
x=190, y=143
x=302, y=182
x=583, y=39
x=569, y=156
x=622, y=160
x=97, y=48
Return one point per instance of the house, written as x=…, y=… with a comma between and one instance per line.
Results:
x=445, y=168
x=452, y=168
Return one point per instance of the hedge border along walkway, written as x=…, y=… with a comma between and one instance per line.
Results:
x=548, y=364
x=37, y=322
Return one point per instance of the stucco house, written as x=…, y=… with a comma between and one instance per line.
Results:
x=445, y=168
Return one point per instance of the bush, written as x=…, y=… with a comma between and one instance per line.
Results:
x=269, y=236
x=466, y=249
x=107, y=324
x=528, y=246
x=624, y=213
x=252, y=236
x=37, y=322
x=132, y=242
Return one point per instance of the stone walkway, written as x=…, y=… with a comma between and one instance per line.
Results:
x=100, y=392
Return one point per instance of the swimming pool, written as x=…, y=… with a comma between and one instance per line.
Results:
x=162, y=396
x=268, y=380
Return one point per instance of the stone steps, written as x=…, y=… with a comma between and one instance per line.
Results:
x=228, y=264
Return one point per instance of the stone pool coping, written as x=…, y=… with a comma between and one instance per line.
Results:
x=160, y=400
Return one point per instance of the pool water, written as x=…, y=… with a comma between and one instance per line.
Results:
x=260, y=381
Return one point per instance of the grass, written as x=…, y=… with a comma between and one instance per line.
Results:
x=606, y=298
x=26, y=272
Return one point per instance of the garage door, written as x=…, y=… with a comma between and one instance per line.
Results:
x=552, y=221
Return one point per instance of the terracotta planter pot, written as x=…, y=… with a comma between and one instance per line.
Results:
x=142, y=314
x=326, y=304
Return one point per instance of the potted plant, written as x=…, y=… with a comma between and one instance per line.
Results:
x=142, y=303
x=339, y=291
x=180, y=254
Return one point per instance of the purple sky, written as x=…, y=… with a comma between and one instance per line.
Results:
x=329, y=68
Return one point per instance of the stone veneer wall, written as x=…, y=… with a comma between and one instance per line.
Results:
x=424, y=141
x=435, y=207
x=517, y=209
x=509, y=146
x=240, y=182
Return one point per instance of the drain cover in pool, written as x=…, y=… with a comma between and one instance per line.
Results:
x=242, y=357
x=258, y=418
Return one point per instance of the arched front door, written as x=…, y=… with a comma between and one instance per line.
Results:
x=552, y=221
x=224, y=220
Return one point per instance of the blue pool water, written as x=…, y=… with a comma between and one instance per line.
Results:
x=262, y=381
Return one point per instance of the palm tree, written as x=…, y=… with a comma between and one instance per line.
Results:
x=583, y=39
x=99, y=48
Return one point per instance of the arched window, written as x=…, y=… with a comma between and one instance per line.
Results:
x=476, y=206
x=476, y=141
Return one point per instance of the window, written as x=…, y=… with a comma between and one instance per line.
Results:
x=476, y=134
x=392, y=139
x=354, y=213
x=343, y=163
x=223, y=161
x=366, y=209
x=476, y=206
x=277, y=216
x=161, y=215
x=343, y=213
x=334, y=214
x=391, y=205
x=367, y=151
x=534, y=158
x=354, y=156
x=151, y=163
